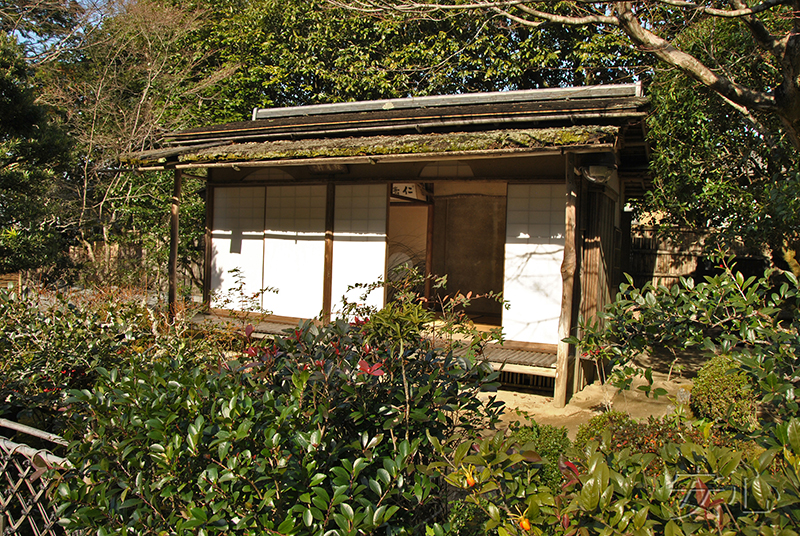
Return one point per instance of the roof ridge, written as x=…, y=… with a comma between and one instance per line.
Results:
x=431, y=101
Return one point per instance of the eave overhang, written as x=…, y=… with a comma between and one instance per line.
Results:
x=375, y=149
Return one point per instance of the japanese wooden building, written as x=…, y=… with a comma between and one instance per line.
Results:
x=519, y=192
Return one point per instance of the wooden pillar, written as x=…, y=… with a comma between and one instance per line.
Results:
x=174, y=235
x=579, y=376
x=327, y=284
x=429, y=259
x=208, y=245
x=568, y=269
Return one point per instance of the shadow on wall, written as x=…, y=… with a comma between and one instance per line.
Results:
x=533, y=289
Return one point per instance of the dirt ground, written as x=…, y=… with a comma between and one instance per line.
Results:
x=592, y=401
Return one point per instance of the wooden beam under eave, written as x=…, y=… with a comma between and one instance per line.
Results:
x=174, y=236
x=568, y=269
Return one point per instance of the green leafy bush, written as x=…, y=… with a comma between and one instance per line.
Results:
x=466, y=519
x=52, y=342
x=700, y=490
x=548, y=441
x=755, y=320
x=319, y=429
x=191, y=450
x=620, y=432
x=721, y=392
x=595, y=427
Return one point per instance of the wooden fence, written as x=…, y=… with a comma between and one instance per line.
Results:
x=7, y=280
x=25, y=485
x=663, y=257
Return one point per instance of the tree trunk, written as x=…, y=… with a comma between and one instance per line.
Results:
x=787, y=94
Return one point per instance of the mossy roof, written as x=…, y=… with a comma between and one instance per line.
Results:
x=516, y=140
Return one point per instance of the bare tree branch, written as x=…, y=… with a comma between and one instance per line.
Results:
x=634, y=20
x=382, y=6
x=572, y=21
x=771, y=43
x=741, y=9
x=690, y=65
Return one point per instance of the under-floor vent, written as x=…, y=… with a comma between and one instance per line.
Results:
x=528, y=382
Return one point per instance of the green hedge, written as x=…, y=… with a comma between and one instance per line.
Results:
x=723, y=393
x=322, y=429
x=607, y=490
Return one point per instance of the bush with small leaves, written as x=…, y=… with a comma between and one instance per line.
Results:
x=722, y=392
x=548, y=441
x=466, y=519
x=595, y=427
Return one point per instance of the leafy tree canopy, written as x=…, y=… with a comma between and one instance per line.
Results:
x=306, y=52
x=733, y=170
x=141, y=68
x=32, y=154
x=657, y=27
x=726, y=121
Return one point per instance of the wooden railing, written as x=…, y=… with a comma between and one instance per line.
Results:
x=25, y=507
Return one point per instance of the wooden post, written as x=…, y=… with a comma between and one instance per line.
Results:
x=429, y=259
x=207, y=257
x=579, y=376
x=174, y=212
x=568, y=268
x=327, y=283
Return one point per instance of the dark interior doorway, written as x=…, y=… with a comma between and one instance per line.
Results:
x=469, y=225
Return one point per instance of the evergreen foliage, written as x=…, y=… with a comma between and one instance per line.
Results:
x=716, y=168
x=34, y=153
x=722, y=392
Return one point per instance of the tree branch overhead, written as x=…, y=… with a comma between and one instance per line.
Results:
x=655, y=27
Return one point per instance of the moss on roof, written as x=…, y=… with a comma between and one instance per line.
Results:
x=405, y=144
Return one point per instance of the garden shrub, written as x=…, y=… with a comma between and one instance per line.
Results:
x=466, y=519
x=755, y=320
x=651, y=435
x=700, y=490
x=721, y=392
x=617, y=431
x=319, y=429
x=594, y=428
x=52, y=342
x=548, y=441
x=188, y=450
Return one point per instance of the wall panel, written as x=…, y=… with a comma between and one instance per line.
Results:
x=359, y=241
x=237, y=242
x=534, y=251
x=294, y=249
